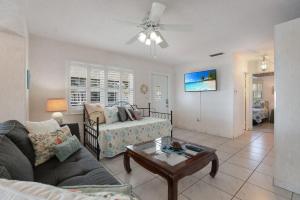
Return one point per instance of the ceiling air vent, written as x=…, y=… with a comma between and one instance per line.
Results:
x=216, y=54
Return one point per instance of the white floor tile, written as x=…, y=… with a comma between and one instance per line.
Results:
x=266, y=182
x=204, y=191
x=235, y=171
x=224, y=182
x=252, y=192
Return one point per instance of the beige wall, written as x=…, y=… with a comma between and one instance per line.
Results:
x=13, y=102
x=48, y=61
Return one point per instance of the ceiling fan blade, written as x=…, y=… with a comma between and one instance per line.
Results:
x=157, y=11
x=164, y=44
x=133, y=39
x=176, y=27
x=127, y=22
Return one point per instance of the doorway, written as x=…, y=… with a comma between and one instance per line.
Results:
x=160, y=93
x=260, y=102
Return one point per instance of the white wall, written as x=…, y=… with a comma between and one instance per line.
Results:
x=214, y=109
x=240, y=68
x=48, y=60
x=287, y=119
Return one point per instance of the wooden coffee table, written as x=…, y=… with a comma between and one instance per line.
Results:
x=146, y=154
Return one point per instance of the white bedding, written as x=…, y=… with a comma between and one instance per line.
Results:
x=258, y=114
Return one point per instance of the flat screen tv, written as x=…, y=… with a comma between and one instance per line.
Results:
x=200, y=81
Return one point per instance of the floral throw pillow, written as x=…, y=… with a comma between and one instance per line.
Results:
x=111, y=115
x=44, y=144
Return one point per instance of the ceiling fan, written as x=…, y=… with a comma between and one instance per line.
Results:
x=150, y=34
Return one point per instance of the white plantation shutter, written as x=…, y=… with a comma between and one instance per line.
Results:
x=78, y=86
x=94, y=84
x=113, y=87
x=97, y=85
x=127, y=90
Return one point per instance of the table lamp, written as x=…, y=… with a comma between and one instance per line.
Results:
x=57, y=106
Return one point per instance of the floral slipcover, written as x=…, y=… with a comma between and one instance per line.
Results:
x=113, y=138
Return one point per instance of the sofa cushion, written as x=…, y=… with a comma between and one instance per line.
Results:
x=18, y=134
x=79, y=169
x=4, y=173
x=16, y=163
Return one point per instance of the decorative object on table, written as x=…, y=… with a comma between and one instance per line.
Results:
x=176, y=145
x=57, y=106
x=144, y=89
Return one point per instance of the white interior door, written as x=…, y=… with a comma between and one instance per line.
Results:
x=159, y=93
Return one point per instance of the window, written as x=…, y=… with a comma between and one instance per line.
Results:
x=97, y=84
x=78, y=86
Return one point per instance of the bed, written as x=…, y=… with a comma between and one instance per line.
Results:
x=260, y=111
x=112, y=139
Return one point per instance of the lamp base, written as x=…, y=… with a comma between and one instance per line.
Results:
x=58, y=116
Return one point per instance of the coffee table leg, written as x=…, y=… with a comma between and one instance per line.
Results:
x=172, y=189
x=214, y=166
x=126, y=162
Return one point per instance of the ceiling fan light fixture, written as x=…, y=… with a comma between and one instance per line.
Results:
x=153, y=36
x=142, y=37
x=158, y=40
x=264, y=64
x=148, y=42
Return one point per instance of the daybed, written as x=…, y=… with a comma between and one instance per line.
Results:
x=112, y=139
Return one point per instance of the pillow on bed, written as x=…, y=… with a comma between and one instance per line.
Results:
x=137, y=115
x=130, y=116
x=111, y=115
x=122, y=114
x=95, y=111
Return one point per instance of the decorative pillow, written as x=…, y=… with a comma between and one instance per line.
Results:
x=111, y=115
x=137, y=115
x=95, y=111
x=122, y=114
x=42, y=127
x=67, y=148
x=44, y=144
x=128, y=108
x=4, y=173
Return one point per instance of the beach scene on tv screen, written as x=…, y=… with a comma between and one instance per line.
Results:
x=200, y=81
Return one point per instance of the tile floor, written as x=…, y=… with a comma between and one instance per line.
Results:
x=246, y=168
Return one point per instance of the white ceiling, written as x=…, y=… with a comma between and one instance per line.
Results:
x=218, y=25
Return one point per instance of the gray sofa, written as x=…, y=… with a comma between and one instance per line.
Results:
x=17, y=162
